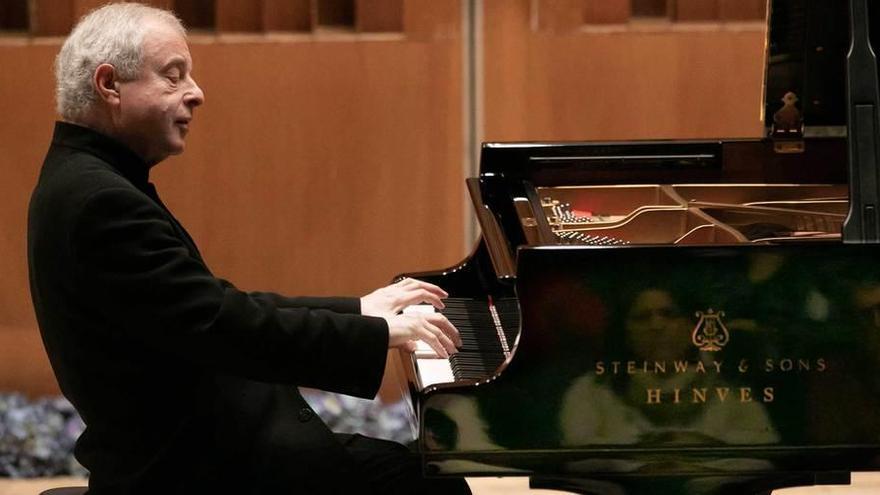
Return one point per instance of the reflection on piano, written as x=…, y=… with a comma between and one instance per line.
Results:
x=675, y=317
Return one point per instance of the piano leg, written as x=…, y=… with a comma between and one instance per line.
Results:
x=696, y=485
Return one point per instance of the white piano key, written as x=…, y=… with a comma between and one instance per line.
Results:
x=418, y=308
x=424, y=351
x=433, y=371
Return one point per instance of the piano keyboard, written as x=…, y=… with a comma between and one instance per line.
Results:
x=488, y=331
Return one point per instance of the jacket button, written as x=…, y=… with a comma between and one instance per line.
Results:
x=305, y=415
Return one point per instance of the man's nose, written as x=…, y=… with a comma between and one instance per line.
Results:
x=195, y=96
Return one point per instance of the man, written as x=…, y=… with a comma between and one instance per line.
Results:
x=183, y=381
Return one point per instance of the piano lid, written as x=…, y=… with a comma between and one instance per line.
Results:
x=806, y=59
x=808, y=42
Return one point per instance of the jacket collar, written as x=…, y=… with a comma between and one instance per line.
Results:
x=119, y=156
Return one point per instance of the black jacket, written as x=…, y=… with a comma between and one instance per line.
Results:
x=182, y=379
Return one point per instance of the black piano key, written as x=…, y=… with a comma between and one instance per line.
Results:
x=471, y=366
x=481, y=352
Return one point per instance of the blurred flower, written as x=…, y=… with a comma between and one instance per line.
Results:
x=37, y=438
x=372, y=418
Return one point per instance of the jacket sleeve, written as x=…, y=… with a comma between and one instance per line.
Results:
x=149, y=289
x=349, y=305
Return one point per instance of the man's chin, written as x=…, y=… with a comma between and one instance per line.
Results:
x=176, y=148
x=171, y=151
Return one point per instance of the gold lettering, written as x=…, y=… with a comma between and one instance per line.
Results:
x=653, y=395
x=769, y=395
x=717, y=365
x=677, y=397
x=615, y=366
x=681, y=366
x=745, y=394
x=631, y=367
x=768, y=365
x=659, y=367
x=699, y=395
x=821, y=365
x=600, y=368
x=786, y=365
x=701, y=368
x=645, y=367
x=803, y=365
x=722, y=392
x=743, y=365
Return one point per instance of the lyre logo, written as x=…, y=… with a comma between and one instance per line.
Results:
x=710, y=334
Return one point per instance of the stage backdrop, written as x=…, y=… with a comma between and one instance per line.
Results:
x=330, y=153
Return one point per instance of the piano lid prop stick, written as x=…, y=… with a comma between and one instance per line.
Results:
x=861, y=225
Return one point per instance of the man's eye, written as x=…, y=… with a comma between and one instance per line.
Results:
x=174, y=78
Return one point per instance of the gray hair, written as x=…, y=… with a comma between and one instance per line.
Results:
x=112, y=34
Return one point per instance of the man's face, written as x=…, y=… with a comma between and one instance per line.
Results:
x=155, y=109
x=656, y=328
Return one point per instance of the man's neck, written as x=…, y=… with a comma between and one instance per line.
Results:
x=103, y=124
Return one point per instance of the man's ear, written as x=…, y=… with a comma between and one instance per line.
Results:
x=107, y=83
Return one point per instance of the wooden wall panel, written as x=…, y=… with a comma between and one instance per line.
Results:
x=606, y=11
x=24, y=136
x=51, y=17
x=196, y=14
x=235, y=15
x=652, y=8
x=557, y=15
x=162, y=4
x=379, y=15
x=287, y=15
x=14, y=15
x=83, y=7
x=334, y=13
x=430, y=20
x=696, y=10
x=627, y=84
x=316, y=168
x=742, y=10
x=313, y=168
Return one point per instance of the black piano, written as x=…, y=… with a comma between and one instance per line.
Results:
x=696, y=317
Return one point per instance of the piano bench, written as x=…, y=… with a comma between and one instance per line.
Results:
x=66, y=490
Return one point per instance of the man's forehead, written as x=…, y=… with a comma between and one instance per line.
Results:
x=163, y=44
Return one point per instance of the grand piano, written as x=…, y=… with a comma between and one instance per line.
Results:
x=696, y=317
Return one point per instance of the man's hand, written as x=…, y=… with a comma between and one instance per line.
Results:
x=432, y=328
x=390, y=300
x=404, y=330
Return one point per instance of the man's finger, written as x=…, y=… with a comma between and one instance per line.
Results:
x=433, y=341
x=444, y=339
x=446, y=326
x=421, y=296
x=429, y=287
x=410, y=283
